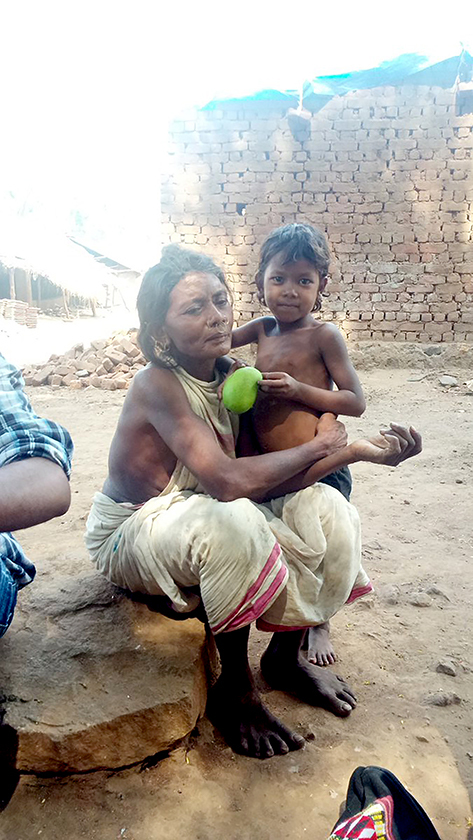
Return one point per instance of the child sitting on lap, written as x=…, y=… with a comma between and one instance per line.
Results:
x=301, y=359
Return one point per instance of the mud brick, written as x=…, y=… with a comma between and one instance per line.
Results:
x=66, y=380
x=94, y=380
x=75, y=384
x=114, y=355
x=107, y=364
x=69, y=354
x=55, y=380
x=62, y=370
x=120, y=383
x=98, y=344
x=108, y=385
x=42, y=375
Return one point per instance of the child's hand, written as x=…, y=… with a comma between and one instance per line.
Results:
x=390, y=447
x=280, y=384
x=236, y=363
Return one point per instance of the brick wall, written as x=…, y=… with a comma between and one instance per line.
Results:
x=386, y=173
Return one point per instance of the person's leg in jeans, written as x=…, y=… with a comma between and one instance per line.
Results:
x=8, y=595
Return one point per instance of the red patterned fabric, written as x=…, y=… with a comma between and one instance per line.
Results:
x=374, y=823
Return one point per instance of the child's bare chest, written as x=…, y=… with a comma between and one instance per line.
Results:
x=296, y=354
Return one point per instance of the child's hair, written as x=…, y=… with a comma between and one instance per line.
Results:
x=153, y=298
x=297, y=242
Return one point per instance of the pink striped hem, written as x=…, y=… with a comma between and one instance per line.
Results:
x=235, y=618
x=262, y=604
x=359, y=591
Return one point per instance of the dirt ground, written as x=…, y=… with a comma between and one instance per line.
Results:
x=418, y=548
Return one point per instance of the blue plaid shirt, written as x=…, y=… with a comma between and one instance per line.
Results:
x=25, y=435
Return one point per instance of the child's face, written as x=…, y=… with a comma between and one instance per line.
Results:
x=199, y=319
x=291, y=289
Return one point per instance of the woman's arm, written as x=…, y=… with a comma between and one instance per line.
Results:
x=193, y=443
x=389, y=448
x=348, y=399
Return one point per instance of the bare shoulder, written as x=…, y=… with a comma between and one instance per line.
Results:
x=267, y=324
x=323, y=333
x=327, y=335
x=156, y=388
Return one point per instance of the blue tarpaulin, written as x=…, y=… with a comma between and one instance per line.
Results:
x=408, y=69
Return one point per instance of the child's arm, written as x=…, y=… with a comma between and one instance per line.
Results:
x=348, y=400
x=225, y=363
x=248, y=333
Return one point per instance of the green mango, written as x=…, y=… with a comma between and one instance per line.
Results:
x=241, y=389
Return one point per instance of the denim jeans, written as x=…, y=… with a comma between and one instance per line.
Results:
x=8, y=593
x=340, y=480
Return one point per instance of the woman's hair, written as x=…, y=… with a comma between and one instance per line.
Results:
x=296, y=242
x=154, y=295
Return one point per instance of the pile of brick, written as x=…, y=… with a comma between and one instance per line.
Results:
x=19, y=311
x=107, y=364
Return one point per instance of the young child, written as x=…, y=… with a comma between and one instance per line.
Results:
x=301, y=359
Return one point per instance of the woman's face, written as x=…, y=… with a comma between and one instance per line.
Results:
x=199, y=319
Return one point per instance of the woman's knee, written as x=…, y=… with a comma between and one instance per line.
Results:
x=234, y=519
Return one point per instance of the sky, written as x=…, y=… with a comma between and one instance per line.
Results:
x=87, y=89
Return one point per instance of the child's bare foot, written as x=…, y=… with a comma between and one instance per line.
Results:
x=310, y=683
x=318, y=645
x=247, y=725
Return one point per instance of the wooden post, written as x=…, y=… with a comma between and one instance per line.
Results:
x=11, y=272
x=64, y=300
x=29, y=291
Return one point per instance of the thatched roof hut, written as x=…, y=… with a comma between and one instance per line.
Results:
x=33, y=258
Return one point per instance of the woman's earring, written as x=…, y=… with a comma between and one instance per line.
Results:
x=163, y=350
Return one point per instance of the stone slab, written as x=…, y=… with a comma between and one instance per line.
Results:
x=91, y=679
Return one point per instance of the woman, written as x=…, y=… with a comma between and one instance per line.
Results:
x=178, y=511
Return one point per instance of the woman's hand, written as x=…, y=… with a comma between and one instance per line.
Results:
x=280, y=384
x=390, y=447
x=332, y=433
x=236, y=363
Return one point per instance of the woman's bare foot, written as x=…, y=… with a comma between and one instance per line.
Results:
x=247, y=725
x=318, y=645
x=312, y=684
x=235, y=708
